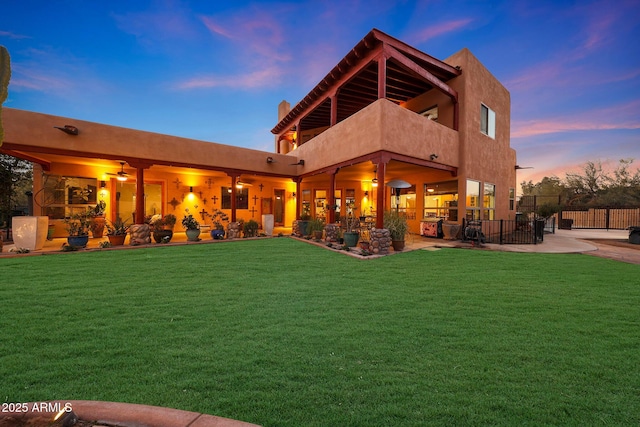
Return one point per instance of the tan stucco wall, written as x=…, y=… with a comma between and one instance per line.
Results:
x=483, y=158
x=104, y=141
x=382, y=125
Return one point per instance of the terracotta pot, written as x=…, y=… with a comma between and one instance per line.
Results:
x=97, y=226
x=398, y=245
x=117, y=239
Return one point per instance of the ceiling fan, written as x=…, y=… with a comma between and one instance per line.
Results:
x=121, y=175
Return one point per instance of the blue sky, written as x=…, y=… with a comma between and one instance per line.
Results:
x=216, y=71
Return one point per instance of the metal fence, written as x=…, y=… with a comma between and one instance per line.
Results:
x=506, y=231
x=599, y=218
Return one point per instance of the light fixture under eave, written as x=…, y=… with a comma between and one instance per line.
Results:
x=71, y=130
x=270, y=160
x=374, y=182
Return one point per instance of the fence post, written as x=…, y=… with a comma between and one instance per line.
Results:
x=606, y=218
x=501, y=228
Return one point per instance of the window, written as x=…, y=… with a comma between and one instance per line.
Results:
x=473, y=200
x=242, y=198
x=512, y=199
x=404, y=201
x=489, y=201
x=487, y=121
x=64, y=196
x=441, y=200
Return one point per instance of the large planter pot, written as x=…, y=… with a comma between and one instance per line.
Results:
x=78, y=241
x=351, y=238
x=117, y=239
x=217, y=234
x=450, y=230
x=317, y=234
x=398, y=245
x=97, y=226
x=162, y=236
x=303, y=227
x=193, y=234
x=30, y=232
x=267, y=224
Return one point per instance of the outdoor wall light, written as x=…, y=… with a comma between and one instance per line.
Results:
x=190, y=189
x=366, y=194
x=433, y=156
x=103, y=184
x=293, y=194
x=71, y=130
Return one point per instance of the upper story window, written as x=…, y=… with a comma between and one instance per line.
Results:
x=487, y=121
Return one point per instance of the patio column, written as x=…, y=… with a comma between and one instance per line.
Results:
x=334, y=110
x=140, y=206
x=233, y=197
x=382, y=77
x=331, y=218
x=298, y=182
x=380, y=194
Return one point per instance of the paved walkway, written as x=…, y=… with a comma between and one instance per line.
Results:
x=611, y=244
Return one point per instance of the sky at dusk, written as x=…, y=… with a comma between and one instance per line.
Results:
x=216, y=71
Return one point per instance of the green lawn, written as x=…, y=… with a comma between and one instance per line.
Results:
x=282, y=333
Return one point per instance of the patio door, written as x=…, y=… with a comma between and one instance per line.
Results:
x=278, y=209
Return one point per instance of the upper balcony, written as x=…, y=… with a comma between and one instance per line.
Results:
x=378, y=67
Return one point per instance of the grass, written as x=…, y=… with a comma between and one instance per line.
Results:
x=282, y=333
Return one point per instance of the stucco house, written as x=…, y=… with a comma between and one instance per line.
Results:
x=385, y=112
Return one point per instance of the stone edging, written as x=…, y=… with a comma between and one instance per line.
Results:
x=124, y=415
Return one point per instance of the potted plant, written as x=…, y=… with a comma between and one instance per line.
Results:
x=397, y=225
x=77, y=226
x=350, y=224
x=303, y=224
x=169, y=221
x=97, y=219
x=315, y=227
x=218, y=218
x=250, y=228
x=192, y=227
x=161, y=232
x=117, y=232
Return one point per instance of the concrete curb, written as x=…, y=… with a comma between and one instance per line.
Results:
x=115, y=414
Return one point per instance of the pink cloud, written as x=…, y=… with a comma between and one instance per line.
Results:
x=260, y=78
x=440, y=29
x=622, y=116
x=157, y=25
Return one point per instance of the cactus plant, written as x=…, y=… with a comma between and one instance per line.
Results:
x=5, y=75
